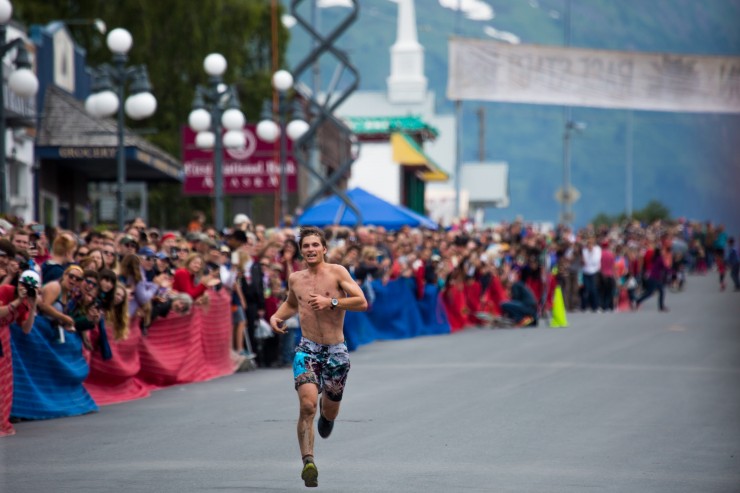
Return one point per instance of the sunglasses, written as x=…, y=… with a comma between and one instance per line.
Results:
x=83, y=253
x=91, y=283
x=74, y=277
x=108, y=253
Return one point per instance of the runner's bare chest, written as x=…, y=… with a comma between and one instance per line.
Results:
x=322, y=284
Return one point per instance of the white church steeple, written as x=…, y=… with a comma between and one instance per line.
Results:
x=407, y=83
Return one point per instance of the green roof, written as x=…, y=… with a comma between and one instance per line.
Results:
x=374, y=125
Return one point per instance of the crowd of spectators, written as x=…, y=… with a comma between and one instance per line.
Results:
x=510, y=271
x=143, y=273
x=86, y=280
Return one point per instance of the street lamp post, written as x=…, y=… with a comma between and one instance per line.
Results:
x=267, y=130
x=21, y=81
x=109, y=85
x=568, y=194
x=216, y=107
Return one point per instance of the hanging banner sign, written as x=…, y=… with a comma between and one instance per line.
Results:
x=485, y=70
x=256, y=169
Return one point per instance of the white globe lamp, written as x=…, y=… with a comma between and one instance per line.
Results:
x=233, y=119
x=106, y=104
x=296, y=129
x=91, y=105
x=141, y=105
x=234, y=139
x=215, y=64
x=23, y=82
x=205, y=140
x=282, y=80
x=119, y=41
x=199, y=120
x=268, y=131
x=6, y=11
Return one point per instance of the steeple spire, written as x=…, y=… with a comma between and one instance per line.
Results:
x=407, y=83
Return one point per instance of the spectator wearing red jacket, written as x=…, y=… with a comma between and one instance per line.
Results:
x=453, y=296
x=191, y=279
x=608, y=282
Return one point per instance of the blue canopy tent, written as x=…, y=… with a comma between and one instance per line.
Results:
x=375, y=211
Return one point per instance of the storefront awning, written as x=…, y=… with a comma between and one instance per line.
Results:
x=369, y=127
x=407, y=152
x=86, y=145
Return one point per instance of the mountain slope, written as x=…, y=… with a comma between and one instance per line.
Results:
x=687, y=161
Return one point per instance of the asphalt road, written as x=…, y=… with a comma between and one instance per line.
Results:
x=617, y=402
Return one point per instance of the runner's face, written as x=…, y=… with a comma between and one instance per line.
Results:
x=312, y=250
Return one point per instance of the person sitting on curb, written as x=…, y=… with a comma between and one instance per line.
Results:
x=522, y=306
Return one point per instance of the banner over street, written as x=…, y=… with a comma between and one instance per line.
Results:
x=493, y=71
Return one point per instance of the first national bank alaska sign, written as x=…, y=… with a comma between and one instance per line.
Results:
x=256, y=169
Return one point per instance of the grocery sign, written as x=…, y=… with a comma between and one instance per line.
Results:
x=255, y=169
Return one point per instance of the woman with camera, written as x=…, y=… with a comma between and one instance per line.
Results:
x=17, y=305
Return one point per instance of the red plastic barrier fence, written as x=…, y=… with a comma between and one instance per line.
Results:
x=178, y=349
x=6, y=383
x=115, y=380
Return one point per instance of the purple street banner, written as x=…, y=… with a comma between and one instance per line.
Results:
x=255, y=169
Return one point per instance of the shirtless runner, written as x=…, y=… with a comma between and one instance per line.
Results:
x=320, y=295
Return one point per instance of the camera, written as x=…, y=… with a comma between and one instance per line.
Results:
x=30, y=290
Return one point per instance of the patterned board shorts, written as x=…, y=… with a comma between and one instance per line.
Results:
x=323, y=365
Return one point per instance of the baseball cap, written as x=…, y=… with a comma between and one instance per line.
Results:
x=169, y=236
x=146, y=252
x=30, y=278
x=241, y=218
x=128, y=241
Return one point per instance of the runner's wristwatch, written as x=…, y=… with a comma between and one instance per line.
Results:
x=334, y=303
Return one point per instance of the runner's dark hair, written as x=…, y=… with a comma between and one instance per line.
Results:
x=311, y=231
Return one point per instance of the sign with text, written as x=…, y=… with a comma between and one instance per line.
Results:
x=255, y=169
x=493, y=71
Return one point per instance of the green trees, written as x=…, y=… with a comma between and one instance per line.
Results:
x=653, y=211
x=172, y=38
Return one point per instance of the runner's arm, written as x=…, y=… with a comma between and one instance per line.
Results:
x=286, y=310
x=355, y=300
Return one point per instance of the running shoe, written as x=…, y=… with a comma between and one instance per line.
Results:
x=525, y=322
x=310, y=475
x=324, y=425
